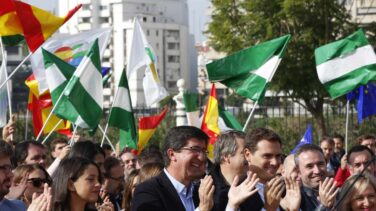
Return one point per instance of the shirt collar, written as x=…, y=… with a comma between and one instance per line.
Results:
x=179, y=187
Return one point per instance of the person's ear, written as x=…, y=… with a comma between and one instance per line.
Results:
x=171, y=154
x=248, y=155
x=71, y=186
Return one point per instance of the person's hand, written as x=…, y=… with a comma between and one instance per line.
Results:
x=9, y=129
x=327, y=192
x=292, y=199
x=43, y=202
x=344, y=162
x=239, y=193
x=106, y=205
x=273, y=193
x=206, y=192
x=64, y=152
x=17, y=190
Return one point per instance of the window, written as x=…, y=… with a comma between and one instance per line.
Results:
x=154, y=19
x=156, y=32
x=173, y=59
x=147, y=32
x=144, y=19
x=173, y=46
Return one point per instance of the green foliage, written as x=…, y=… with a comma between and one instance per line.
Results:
x=238, y=24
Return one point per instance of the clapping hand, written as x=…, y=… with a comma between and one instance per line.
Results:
x=239, y=193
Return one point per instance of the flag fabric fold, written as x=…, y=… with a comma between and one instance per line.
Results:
x=121, y=115
x=227, y=121
x=146, y=128
x=142, y=54
x=366, y=101
x=3, y=91
x=191, y=109
x=37, y=24
x=249, y=71
x=10, y=26
x=307, y=139
x=210, y=120
x=85, y=90
x=346, y=64
x=70, y=48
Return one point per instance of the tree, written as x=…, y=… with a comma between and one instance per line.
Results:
x=237, y=24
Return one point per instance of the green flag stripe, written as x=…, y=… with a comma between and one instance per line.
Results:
x=190, y=101
x=64, y=68
x=341, y=85
x=121, y=118
x=247, y=60
x=340, y=66
x=128, y=139
x=340, y=47
x=229, y=119
x=12, y=39
x=94, y=55
x=248, y=85
x=91, y=112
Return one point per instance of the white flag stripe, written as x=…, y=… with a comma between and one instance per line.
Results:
x=266, y=70
x=90, y=81
x=54, y=77
x=342, y=65
x=122, y=101
x=81, y=123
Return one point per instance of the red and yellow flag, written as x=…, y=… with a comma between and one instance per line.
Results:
x=210, y=120
x=37, y=24
x=10, y=26
x=147, y=127
x=41, y=106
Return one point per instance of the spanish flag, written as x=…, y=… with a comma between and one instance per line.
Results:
x=37, y=24
x=210, y=120
x=147, y=127
x=41, y=105
x=10, y=26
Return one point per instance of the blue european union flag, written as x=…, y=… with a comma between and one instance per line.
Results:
x=307, y=139
x=366, y=101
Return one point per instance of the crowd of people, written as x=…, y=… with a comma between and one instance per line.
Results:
x=248, y=172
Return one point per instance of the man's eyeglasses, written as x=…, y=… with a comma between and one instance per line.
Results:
x=119, y=179
x=38, y=182
x=6, y=168
x=196, y=150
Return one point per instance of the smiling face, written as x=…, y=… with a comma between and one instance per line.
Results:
x=364, y=200
x=87, y=186
x=188, y=163
x=312, y=168
x=266, y=159
x=32, y=188
x=36, y=155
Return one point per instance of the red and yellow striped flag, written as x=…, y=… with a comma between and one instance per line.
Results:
x=10, y=26
x=147, y=127
x=38, y=25
x=41, y=106
x=210, y=120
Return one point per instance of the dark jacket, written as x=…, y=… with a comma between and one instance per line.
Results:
x=158, y=193
x=309, y=200
x=221, y=190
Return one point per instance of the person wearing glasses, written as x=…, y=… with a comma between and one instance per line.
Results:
x=113, y=180
x=34, y=176
x=6, y=177
x=184, y=154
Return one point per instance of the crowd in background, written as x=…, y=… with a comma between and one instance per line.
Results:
x=248, y=172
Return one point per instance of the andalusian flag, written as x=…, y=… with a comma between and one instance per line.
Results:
x=142, y=54
x=147, y=127
x=10, y=27
x=227, y=121
x=345, y=64
x=69, y=47
x=191, y=109
x=210, y=120
x=85, y=90
x=121, y=115
x=41, y=105
x=37, y=24
x=249, y=71
x=58, y=75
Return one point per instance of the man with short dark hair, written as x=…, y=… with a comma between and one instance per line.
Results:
x=6, y=176
x=339, y=143
x=113, y=181
x=30, y=152
x=358, y=158
x=368, y=141
x=263, y=151
x=318, y=192
x=327, y=146
x=184, y=154
x=57, y=147
x=229, y=162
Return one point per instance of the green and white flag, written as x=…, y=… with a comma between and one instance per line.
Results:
x=85, y=90
x=345, y=64
x=249, y=71
x=227, y=121
x=58, y=73
x=191, y=109
x=121, y=115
